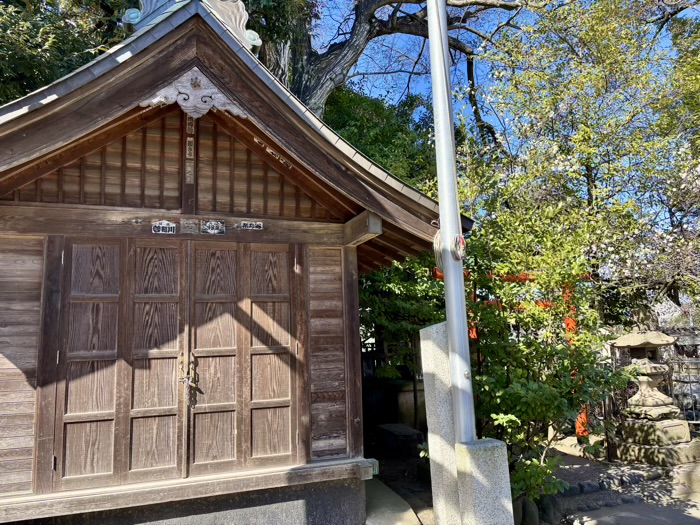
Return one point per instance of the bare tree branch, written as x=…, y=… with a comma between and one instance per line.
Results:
x=486, y=131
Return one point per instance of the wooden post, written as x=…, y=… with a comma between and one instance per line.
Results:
x=353, y=351
x=46, y=378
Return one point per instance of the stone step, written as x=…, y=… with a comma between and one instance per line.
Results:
x=658, y=490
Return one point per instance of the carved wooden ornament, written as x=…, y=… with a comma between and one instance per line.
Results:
x=196, y=95
x=235, y=17
x=232, y=13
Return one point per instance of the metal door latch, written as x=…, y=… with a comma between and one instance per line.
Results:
x=190, y=385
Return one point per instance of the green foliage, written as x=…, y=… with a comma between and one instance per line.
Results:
x=424, y=452
x=585, y=90
x=535, y=473
x=277, y=20
x=683, y=110
x=528, y=269
x=563, y=231
x=387, y=134
x=395, y=303
x=42, y=41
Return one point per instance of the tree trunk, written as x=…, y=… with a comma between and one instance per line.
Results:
x=311, y=76
x=317, y=76
x=277, y=59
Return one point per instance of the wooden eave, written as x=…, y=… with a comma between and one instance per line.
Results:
x=72, y=113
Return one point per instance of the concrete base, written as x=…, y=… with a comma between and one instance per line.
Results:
x=470, y=482
x=666, y=456
x=386, y=507
x=667, y=432
x=441, y=435
x=484, y=483
x=328, y=503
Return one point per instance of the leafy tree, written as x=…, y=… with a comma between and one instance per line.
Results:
x=568, y=224
x=387, y=133
x=580, y=90
x=396, y=302
x=42, y=41
x=528, y=271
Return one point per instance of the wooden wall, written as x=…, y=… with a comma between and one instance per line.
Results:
x=21, y=272
x=139, y=170
x=233, y=179
x=327, y=353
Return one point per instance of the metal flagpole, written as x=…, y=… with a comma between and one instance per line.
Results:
x=450, y=226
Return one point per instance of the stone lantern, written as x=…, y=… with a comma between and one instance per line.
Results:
x=652, y=432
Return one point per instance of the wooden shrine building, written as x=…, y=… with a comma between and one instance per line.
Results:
x=180, y=241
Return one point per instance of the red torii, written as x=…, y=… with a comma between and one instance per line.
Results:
x=569, y=324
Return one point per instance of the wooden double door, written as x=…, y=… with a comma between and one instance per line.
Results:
x=176, y=358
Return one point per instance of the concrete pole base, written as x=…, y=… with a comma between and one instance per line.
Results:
x=471, y=483
x=484, y=483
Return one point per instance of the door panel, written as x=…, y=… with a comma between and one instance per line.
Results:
x=271, y=356
x=177, y=358
x=86, y=412
x=156, y=302
x=215, y=421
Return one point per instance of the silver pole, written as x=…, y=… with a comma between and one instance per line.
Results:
x=450, y=226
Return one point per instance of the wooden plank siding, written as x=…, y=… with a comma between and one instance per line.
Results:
x=21, y=275
x=329, y=435
x=233, y=179
x=142, y=170
x=139, y=170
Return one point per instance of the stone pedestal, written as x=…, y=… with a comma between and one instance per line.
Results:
x=652, y=434
x=662, y=456
x=441, y=436
x=470, y=482
x=659, y=433
x=484, y=483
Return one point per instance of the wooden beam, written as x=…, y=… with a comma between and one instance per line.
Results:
x=382, y=258
x=303, y=370
x=380, y=241
x=395, y=234
x=24, y=507
x=46, y=379
x=362, y=228
x=366, y=266
x=92, y=221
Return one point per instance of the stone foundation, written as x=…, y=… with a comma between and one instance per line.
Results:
x=663, y=456
x=661, y=433
x=328, y=503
